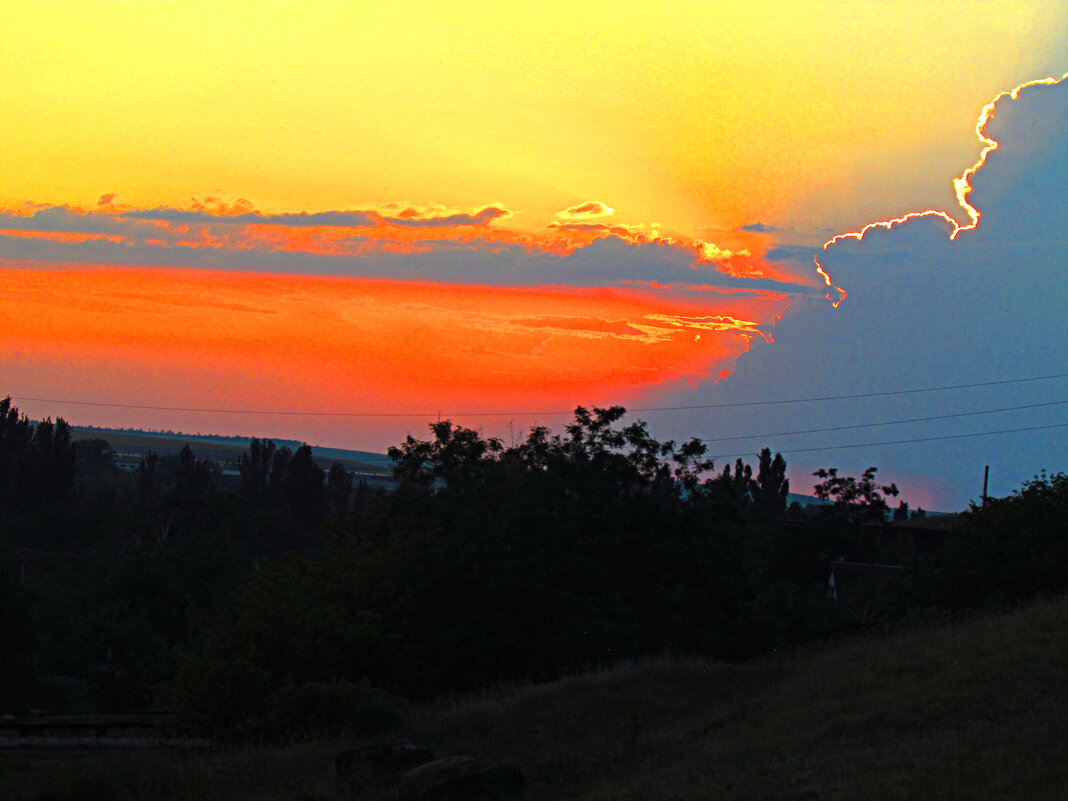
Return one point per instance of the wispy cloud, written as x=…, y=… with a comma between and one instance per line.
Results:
x=396, y=240
x=482, y=217
x=759, y=228
x=343, y=219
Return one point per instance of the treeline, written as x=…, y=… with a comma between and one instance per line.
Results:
x=36, y=460
x=103, y=570
x=297, y=604
x=168, y=433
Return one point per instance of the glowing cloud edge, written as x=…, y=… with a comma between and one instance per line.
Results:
x=962, y=186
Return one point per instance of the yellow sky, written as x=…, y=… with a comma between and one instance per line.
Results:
x=689, y=114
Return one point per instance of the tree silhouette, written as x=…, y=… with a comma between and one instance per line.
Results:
x=338, y=487
x=194, y=487
x=733, y=489
x=16, y=434
x=36, y=461
x=304, y=486
x=855, y=501
x=276, y=479
x=771, y=487
x=193, y=475
x=593, y=453
x=455, y=456
x=255, y=468
x=148, y=483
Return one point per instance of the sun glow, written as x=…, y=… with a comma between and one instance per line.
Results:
x=461, y=203
x=684, y=116
x=287, y=342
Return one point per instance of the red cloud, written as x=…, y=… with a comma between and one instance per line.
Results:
x=391, y=344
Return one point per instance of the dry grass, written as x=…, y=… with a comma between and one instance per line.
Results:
x=976, y=710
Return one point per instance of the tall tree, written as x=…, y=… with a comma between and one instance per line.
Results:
x=194, y=486
x=148, y=483
x=16, y=434
x=732, y=489
x=36, y=461
x=304, y=486
x=455, y=456
x=255, y=468
x=276, y=480
x=338, y=487
x=771, y=487
x=53, y=459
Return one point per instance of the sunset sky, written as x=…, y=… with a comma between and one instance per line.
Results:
x=383, y=212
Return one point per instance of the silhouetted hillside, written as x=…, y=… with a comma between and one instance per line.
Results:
x=977, y=709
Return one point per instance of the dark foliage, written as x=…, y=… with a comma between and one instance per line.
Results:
x=338, y=488
x=36, y=461
x=771, y=487
x=855, y=501
x=1009, y=550
x=489, y=564
x=298, y=605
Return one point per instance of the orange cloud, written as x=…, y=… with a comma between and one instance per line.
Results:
x=204, y=233
x=584, y=211
x=222, y=207
x=441, y=217
x=68, y=237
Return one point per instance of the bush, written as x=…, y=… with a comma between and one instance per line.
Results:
x=1012, y=549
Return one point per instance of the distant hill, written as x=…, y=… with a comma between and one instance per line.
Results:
x=130, y=435
x=944, y=519
x=805, y=500
x=134, y=443
x=345, y=455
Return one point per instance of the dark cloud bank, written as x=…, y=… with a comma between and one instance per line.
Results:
x=924, y=311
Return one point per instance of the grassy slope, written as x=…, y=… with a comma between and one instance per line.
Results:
x=976, y=710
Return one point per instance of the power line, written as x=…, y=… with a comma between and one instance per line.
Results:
x=437, y=415
x=851, y=397
x=887, y=422
x=900, y=441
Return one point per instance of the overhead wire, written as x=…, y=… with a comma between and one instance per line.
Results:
x=884, y=393
x=885, y=422
x=438, y=415
x=898, y=441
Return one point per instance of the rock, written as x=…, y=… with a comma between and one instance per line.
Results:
x=375, y=766
x=460, y=778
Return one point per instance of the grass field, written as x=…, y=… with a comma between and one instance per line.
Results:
x=976, y=710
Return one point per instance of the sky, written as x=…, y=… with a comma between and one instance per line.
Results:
x=335, y=222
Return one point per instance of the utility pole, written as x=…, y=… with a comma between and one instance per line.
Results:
x=986, y=478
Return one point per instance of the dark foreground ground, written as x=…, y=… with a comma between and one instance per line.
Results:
x=974, y=710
